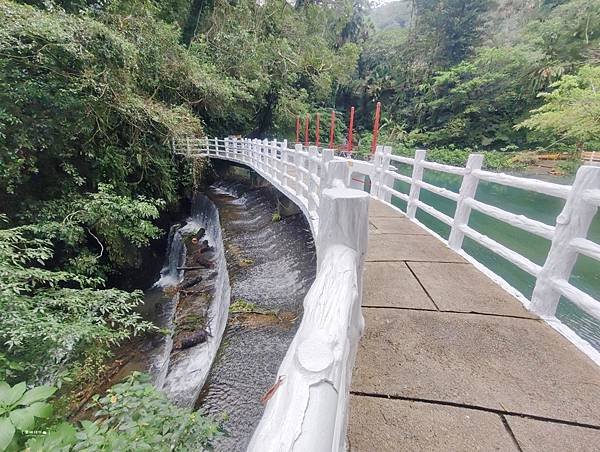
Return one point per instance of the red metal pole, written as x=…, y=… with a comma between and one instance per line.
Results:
x=332, y=130
x=376, y=127
x=350, y=130
x=297, y=129
x=306, y=130
x=317, y=132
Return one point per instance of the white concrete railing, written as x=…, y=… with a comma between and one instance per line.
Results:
x=299, y=174
x=308, y=407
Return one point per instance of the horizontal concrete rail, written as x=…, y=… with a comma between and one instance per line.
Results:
x=291, y=168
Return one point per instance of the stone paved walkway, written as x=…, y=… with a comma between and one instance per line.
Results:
x=450, y=361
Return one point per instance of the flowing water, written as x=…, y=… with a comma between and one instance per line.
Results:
x=586, y=274
x=181, y=372
x=271, y=266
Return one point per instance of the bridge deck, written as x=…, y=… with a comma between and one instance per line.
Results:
x=450, y=361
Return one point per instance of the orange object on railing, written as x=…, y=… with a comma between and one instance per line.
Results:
x=332, y=130
x=306, y=130
x=376, y=127
x=317, y=132
x=297, y=129
x=350, y=130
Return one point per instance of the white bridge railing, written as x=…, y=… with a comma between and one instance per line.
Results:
x=302, y=174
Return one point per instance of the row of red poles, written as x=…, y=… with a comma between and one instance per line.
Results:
x=332, y=129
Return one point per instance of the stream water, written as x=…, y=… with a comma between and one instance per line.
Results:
x=186, y=308
x=271, y=266
x=586, y=275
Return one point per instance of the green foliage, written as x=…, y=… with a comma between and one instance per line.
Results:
x=19, y=409
x=90, y=99
x=276, y=217
x=503, y=159
x=50, y=318
x=571, y=111
x=131, y=416
x=477, y=102
x=282, y=65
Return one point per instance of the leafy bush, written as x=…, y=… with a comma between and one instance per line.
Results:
x=19, y=409
x=131, y=416
x=50, y=318
x=505, y=159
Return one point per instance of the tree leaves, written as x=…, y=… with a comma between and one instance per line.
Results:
x=37, y=394
x=7, y=431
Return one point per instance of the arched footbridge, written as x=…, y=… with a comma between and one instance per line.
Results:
x=407, y=342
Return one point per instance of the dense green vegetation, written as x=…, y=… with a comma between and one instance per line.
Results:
x=131, y=416
x=93, y=91
x=469, y=74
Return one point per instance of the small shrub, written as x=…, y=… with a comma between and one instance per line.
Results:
x=133, y=415
x=276, y=217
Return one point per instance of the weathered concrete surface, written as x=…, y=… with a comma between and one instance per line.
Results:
x=400, y=247
x=490, y=358
x=378, y=210
x=501, y=363
x=391, y=284
x=461, y=287
x=533, y=435
x=397, y=425
x=386, y=225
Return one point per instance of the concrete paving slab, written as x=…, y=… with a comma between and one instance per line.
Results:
x=395, y=425
x=516, y=365
x=391, y=284
x=397, y=247
x=533, y=435
x=398, y=225
x=379, y=209
x=459, y=287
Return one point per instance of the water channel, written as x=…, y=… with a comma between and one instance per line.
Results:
x=272, y=265
x=230, y=249
x=586, y=275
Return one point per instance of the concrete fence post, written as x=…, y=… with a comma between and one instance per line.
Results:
x=273, y=159
x=468, y=188
x=297, y=166
x=255, y=153
x=263, y=152
x=573, y=223
x=312, y=173
x=386, y=179
x=377, y=164
x=326, y=158
x=284, y=165
x=233, y=148
x=417, y=176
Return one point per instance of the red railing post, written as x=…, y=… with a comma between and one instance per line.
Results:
x=376, y=127
x=317, y=132
x=350, y=130
x=306, y=130
x=297, y=129
x=332, y=130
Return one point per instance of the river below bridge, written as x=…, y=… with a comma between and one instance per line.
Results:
x=586, y=275
x=272, y=265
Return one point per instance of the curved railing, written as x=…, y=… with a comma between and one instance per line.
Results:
x=308, y=407
x=305, y=175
